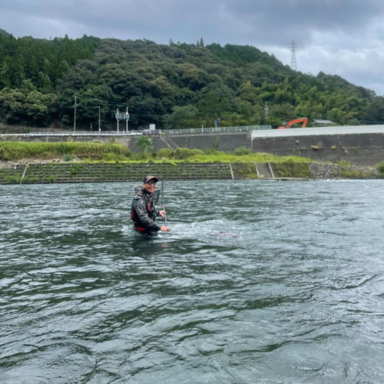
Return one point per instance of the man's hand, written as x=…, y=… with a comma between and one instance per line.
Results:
x=165, y=229
x=162, y=214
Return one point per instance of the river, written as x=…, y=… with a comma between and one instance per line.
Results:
x=292, y=292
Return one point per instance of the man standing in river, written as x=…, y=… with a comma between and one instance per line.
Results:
x=143, y=212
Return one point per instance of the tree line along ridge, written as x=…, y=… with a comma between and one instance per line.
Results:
x=177, y=85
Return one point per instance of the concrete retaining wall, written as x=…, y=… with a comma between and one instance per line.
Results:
x=359, y=149
x=117, y=172
x=122, y=172
x=222, y=142
x=356, y=148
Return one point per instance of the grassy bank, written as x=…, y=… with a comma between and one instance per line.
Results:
x=14, y=151
x=96, y=152
x=69, y=152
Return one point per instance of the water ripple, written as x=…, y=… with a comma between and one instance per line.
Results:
x=294, y=296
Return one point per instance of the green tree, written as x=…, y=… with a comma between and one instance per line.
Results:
x=144, y=144
x=11, y=105
x=181, y=117
x=232, y=82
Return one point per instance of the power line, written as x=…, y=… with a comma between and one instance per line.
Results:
x=293, y=48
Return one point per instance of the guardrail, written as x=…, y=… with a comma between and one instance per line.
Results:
x=67, y=133
x=190, y=131
x=247, y=128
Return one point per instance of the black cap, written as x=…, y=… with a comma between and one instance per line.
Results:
x=148, y=178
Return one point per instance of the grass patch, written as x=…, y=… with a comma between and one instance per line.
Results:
x=109, y=152
x=380, y=168
x=244, y=170
x=292, y=169
x=353, y=174
x=76, y=169
x=51, y=179
x=15, y=179
x=344, y=162
x=241, y=151
x=12, y=151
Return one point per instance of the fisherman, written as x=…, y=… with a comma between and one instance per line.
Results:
x=143, y=212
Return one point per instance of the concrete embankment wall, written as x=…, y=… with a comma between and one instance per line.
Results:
x=123, y=172
x=110, y=172
x=222, y=142
x=359, y=149
x=219, y=141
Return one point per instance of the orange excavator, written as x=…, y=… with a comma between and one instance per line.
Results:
x=304, y=120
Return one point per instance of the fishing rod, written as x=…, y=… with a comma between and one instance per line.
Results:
x=162, y=190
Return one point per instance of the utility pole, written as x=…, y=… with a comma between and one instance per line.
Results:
x=292, y=48
x=74, y=120
x=118, y=120
x=126, y=119
x=99, y=118
x=266, y=111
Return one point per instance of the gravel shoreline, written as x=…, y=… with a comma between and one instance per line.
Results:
x=336, y=171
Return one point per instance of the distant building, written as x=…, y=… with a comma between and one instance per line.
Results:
x=322, y=123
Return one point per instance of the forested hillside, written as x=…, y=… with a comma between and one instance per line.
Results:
x=175, y=85
x=3, y=33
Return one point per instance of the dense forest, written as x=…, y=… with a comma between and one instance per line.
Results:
x=173, y=86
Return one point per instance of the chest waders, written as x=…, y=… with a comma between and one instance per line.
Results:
x=151, y=212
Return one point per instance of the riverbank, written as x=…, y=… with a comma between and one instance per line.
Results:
x=82, y=172
x=69, y=162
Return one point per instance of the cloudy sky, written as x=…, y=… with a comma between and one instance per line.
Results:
x=343, y=37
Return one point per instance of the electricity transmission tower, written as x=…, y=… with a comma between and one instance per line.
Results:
x=292, y=48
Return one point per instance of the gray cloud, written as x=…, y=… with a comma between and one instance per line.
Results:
x=343, y=37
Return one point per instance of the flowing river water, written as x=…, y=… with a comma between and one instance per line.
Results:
x=296, y=297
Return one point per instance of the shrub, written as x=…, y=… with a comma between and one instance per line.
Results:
x=216, y=145
x=144, y=143
x=380, y=167
x=197, y=152
x=241, y=151
x=164, y=153
x=182, y=153
x=108, y=157
x=76, y=169
x=209, y=151
x=13, y=179
x=68, y=157
x=51, y=179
